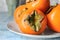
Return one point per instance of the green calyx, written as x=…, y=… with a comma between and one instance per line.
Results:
x=34, y=21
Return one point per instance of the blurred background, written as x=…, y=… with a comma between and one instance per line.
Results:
x=3, y=6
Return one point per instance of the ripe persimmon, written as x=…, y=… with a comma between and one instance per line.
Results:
x=54, y=19
x=30, y=20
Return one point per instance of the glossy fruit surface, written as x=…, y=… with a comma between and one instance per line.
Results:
x=54, y=19
x=22, y=15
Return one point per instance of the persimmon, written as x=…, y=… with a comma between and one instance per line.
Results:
x=30, y=20
x=42, y=5
x=54, y=19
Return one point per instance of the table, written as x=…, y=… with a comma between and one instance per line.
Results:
x=5, y=34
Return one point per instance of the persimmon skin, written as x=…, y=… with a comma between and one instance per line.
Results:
x=42, y=5
x=22, y=25
x=54, y=19
x=19, y=9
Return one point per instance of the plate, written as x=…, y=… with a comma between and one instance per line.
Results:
x=13, y=27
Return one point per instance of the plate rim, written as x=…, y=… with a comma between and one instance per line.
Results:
x=32, y=36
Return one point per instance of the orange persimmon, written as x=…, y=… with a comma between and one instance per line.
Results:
x=54, y=19
x=26, y=19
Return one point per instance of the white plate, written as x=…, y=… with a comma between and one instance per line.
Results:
x=13, y=27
